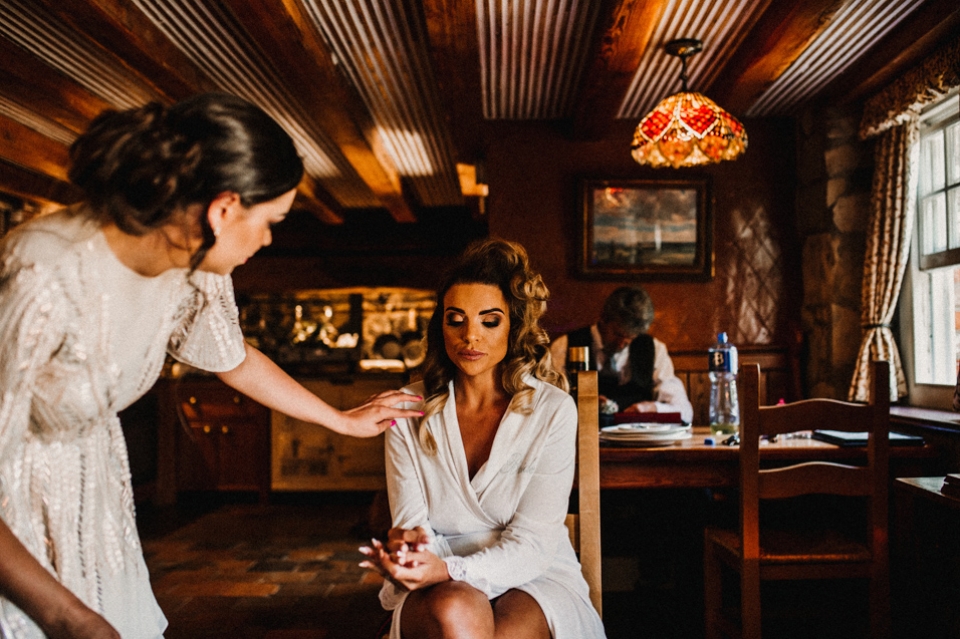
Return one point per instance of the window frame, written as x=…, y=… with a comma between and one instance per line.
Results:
x=939, y=117
x=920, y=269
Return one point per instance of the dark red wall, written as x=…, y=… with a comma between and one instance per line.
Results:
x=533, y=171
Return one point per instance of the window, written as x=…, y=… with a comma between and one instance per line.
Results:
x=930, y=305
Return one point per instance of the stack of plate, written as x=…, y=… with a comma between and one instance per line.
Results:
x=645, y=434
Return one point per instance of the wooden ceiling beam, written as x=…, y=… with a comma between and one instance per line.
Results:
x=455, y=58
x=310, y=197
x=46, y=191
x=22, y=146
x=127, y=34
x=299, y=55
x=31, y=83
x=905, y=47
x=778, y=38
x=627, y=27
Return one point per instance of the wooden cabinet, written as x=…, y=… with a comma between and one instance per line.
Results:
x=223, y=439
x=308, y=457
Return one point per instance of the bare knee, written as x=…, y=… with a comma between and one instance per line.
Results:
x=451, y=610
x=517, y=615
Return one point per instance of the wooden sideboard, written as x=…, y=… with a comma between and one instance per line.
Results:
x=223, y=439
x=212, y=438
x=306, y=457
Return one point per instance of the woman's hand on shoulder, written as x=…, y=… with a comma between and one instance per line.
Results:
x=377, y=414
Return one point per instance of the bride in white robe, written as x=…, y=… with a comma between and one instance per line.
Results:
x=479, y=486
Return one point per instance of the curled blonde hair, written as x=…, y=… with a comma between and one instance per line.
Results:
x=505, y=265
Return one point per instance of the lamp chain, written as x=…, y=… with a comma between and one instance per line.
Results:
x=683, y=71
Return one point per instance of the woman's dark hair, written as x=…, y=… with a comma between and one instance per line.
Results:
x=505, y=265
x=138, y=168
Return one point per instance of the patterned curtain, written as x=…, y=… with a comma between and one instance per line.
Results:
x=892, y=205
x=893, y=116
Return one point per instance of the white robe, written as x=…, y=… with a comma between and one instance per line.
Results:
x=504, y=528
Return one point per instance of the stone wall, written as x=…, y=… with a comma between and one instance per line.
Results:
x=834, y=172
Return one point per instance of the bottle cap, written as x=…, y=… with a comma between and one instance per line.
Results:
x=722, y=338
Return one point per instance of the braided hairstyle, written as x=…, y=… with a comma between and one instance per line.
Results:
x=505, y=265
x=142, y=167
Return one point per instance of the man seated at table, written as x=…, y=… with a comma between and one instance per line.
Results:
x=635, y=370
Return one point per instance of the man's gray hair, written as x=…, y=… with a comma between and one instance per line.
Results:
x=630, y=307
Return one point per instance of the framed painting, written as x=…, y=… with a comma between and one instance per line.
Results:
x=647, y=229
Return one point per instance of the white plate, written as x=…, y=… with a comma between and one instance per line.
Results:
x=646, y=441
x=642, y=435
x=644, y=431
x=644, y=427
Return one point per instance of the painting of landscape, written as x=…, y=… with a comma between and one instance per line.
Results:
x=644, y=227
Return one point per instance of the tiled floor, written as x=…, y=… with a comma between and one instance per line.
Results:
x=282, y=571
x=289, y=570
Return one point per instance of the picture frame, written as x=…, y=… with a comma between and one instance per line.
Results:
x=646, y=229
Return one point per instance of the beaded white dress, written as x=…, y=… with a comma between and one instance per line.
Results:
x=66, y=303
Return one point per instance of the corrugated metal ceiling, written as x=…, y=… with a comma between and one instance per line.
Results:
x=382, y=49
x=720, y=25
x=206, y=33
x=532, y=54
x=857, y=25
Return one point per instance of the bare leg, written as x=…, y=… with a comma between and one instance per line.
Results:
x=449, y=610
x=453, y=610
x=517, y=615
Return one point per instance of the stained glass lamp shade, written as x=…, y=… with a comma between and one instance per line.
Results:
x=687, y=128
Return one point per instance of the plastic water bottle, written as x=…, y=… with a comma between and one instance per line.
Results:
x=724, y=404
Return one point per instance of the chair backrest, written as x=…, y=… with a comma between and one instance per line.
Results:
x=585, y=526
x=814, y=477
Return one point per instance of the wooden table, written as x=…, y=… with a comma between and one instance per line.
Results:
x=693, y=464
x=925, y=559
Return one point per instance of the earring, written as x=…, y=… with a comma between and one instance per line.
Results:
x=216, y=231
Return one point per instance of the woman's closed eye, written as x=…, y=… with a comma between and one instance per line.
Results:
x=487, y=322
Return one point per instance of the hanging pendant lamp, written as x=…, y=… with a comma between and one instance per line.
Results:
x=687, y=128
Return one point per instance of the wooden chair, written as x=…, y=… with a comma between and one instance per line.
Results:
x=584, y=527
x=758, y=554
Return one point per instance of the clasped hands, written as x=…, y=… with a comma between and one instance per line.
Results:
x=405, y=560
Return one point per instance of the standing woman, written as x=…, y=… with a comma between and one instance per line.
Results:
x=479, y=486
x=91, y=300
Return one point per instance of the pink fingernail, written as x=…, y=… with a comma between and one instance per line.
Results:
x=421, y=413
x=393, y=423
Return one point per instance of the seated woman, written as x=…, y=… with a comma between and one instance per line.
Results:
x=479, y=485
